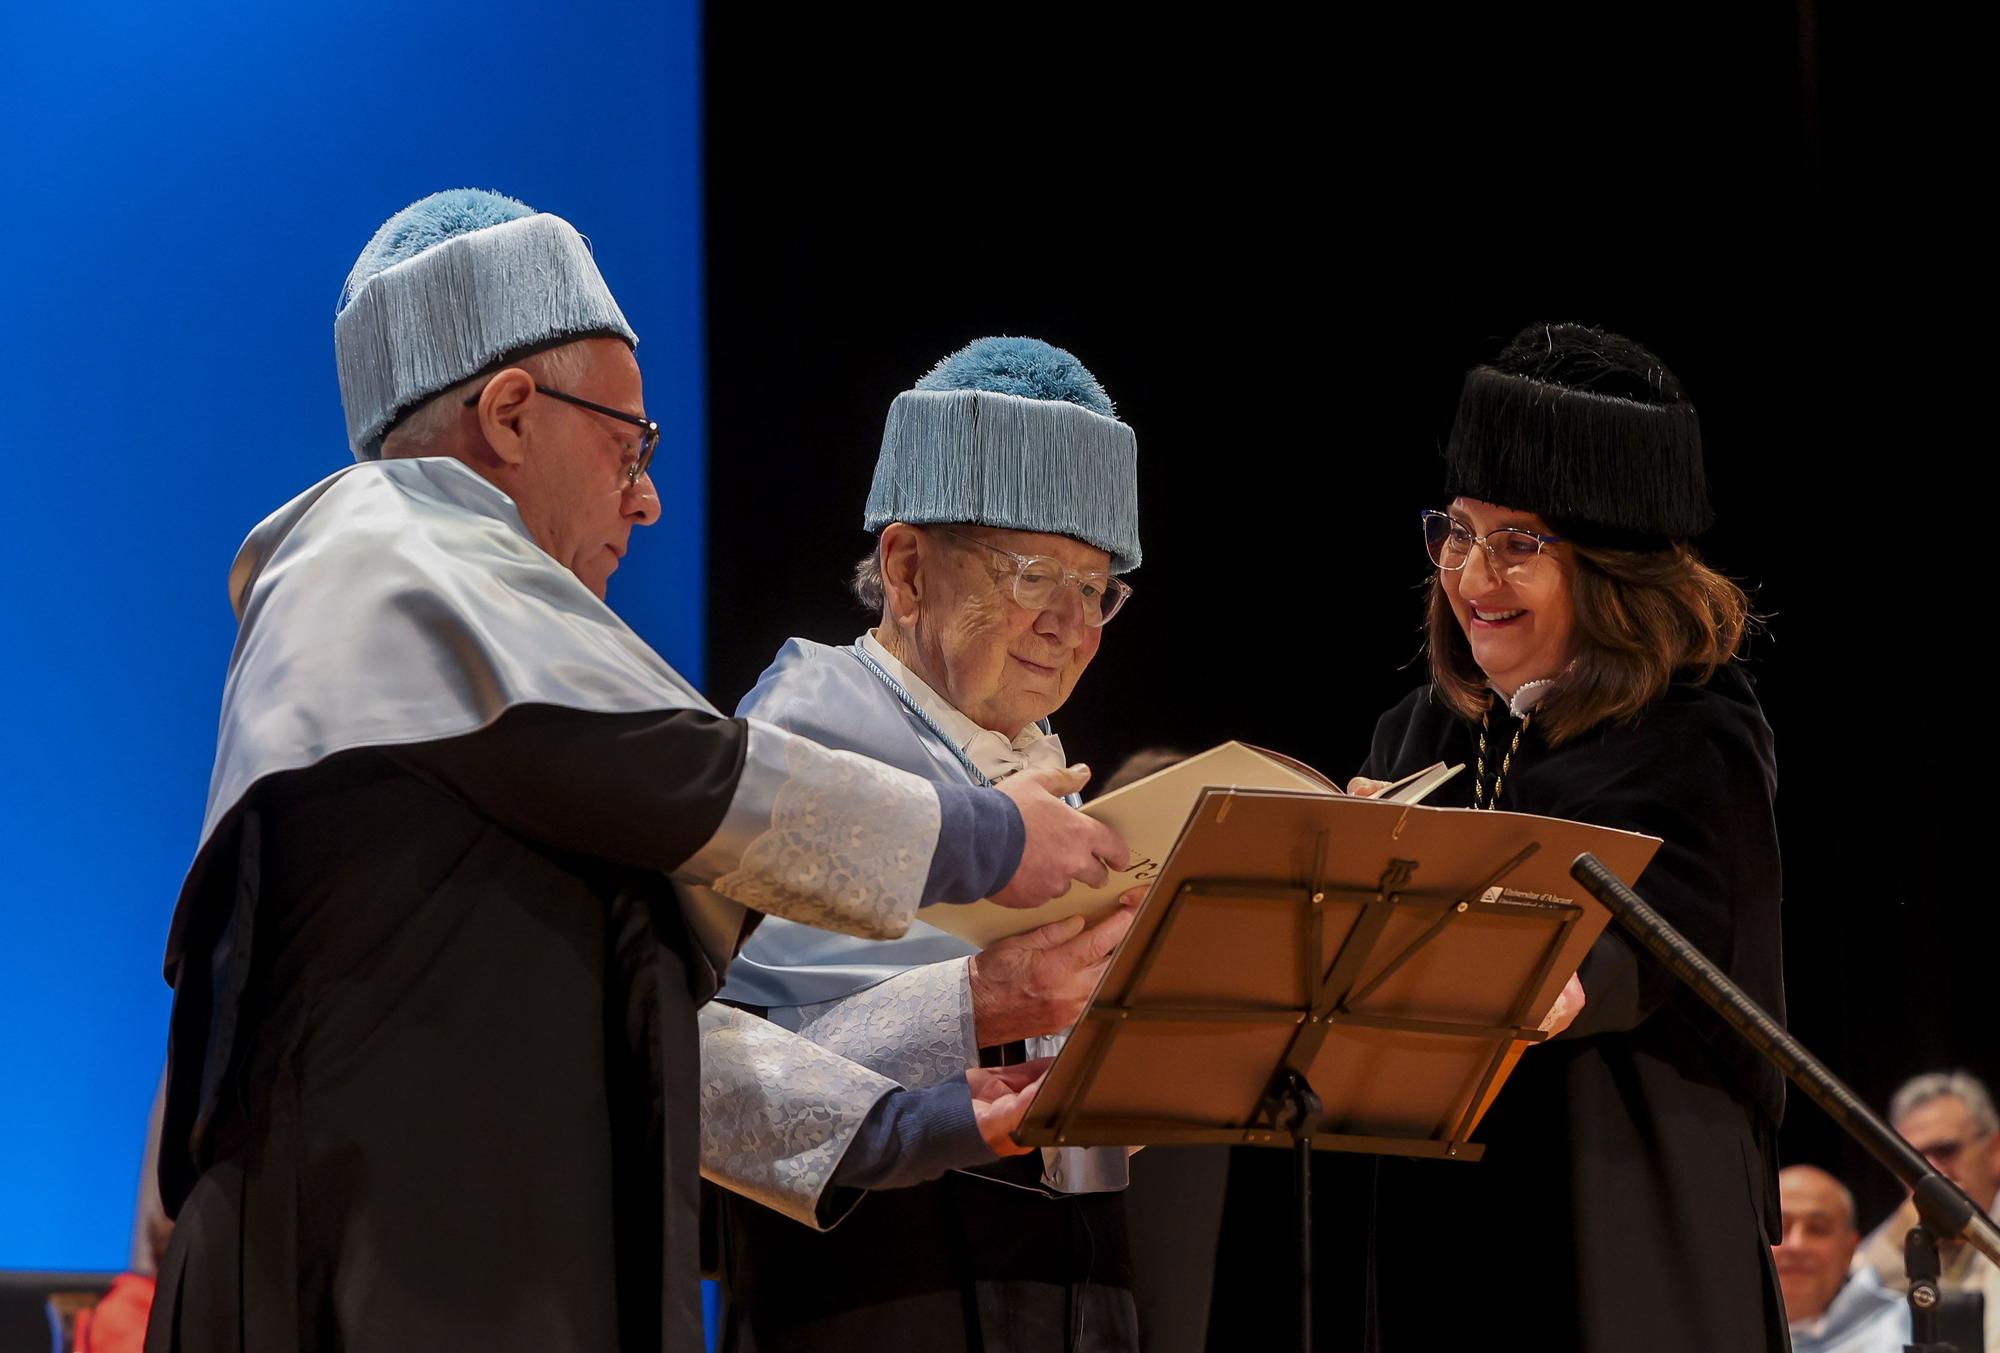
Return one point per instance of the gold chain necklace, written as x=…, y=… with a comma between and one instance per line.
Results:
x=1479, y=797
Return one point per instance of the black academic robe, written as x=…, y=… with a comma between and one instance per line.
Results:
x=1628, y=1200
x=962, y=1264
x=432, y=1082
x=1173, y=1213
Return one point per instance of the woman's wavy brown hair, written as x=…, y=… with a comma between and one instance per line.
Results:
x=1642, y=617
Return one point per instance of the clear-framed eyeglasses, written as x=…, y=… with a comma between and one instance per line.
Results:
x=1513, y=552
x=1039, y=581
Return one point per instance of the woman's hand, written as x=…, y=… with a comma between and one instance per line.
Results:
x=1363, y=788
x=1000, y=1099
x=1567, y=1007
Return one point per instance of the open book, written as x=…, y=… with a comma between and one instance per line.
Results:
x=1149, y=814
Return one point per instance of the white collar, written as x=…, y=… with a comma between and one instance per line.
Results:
x=995, y=754
x=1528, y=696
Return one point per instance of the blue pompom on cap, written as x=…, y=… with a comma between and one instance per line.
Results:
x=1015, y=433
x=427, y=223
x=1026, y=367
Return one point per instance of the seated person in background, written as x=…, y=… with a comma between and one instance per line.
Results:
x=1830, y=1310
x=117, y=1323
x=1947, y=1115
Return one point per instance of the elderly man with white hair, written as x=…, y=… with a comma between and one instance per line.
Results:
x=474, y=856
x=1949, y=1117
x=1006, y=501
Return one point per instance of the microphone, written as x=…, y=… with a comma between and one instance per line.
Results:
x=1943, y=1206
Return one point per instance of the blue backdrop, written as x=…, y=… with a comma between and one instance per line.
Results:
x=184, y=189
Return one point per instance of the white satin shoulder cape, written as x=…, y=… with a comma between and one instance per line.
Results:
x=403, y=601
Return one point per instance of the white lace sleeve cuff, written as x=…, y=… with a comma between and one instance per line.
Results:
x=826, y=838
x=777, y=1111
x=915, y=1028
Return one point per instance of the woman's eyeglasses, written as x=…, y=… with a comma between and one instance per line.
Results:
x=1512, y=551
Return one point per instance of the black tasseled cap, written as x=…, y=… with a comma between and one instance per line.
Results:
x=1587, y=430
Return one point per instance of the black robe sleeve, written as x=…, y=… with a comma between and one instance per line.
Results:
x=649, y=790
x=641, y=790
x=1415, y=733
x=1691, y=775
x=1696, y=769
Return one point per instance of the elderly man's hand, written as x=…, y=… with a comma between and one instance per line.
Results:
x=1000, y=1099
x=1361, y=787
x=1063, y=845
x=1037, y=983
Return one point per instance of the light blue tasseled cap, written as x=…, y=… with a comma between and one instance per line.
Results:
x=1015, y=433
x=451, y=285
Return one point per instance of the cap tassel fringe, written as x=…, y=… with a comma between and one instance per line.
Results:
x=1635, y=469
x=450, y=312
x=1010, y=462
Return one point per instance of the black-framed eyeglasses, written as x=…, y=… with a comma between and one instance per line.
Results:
x=1512, y=551
x=1039, y=580
x=649, y=439
x=1945, y=1154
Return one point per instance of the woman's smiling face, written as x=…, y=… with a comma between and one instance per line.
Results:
x=1520, y=621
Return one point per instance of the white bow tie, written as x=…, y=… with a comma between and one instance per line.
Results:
x=998, y=758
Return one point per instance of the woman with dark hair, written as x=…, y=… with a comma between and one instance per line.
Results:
x=1581, y=659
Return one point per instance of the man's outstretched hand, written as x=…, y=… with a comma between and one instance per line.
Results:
x=1063, y=846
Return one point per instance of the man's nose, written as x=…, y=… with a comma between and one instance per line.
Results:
x=1063, y=617
x=642, y=501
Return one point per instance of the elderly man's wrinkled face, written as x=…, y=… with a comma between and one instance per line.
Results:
x=572, y=487
x=1965, y=1153
x=1819, y=1239
x=1001, y=664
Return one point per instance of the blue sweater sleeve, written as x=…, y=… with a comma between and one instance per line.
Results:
x=979, y=845
x=911, y=1136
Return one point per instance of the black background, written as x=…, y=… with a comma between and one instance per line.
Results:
x=1279, y=245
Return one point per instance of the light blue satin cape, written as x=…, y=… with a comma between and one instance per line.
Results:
x=825, y=694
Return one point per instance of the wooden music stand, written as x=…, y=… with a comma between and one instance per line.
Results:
x=1329, y=972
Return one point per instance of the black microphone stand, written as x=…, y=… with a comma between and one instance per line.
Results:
x=1294, y=1108
x=1942, y=1210
x=1921, y=1265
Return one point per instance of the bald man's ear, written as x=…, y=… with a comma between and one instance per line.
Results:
x=503, y=404
x=902, y=557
